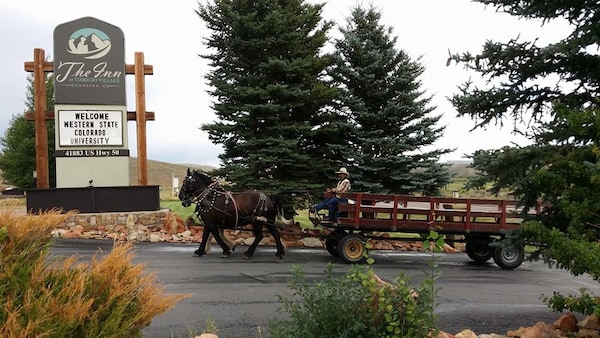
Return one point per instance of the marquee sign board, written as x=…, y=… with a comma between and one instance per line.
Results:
x=90, y=128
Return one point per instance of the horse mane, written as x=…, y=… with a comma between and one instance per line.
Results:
x=205, y=178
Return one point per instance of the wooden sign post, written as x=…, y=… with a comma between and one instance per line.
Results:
x=39, y=67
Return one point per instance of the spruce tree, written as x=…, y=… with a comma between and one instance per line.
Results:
x=548, y=92
x=394, y=127
x=268, y=91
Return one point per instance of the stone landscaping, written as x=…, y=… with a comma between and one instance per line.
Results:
x=165, y=226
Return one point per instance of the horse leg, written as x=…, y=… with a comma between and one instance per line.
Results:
x=277, y=236
x=227, y=250
x=226, y=239
x=258, y=236
x=208, y=242
x=205, y=237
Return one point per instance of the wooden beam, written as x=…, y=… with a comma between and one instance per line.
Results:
x=131, y=116
x=47, y=66
x=140, y=115
x=148, y=69
x=30, y=115
x=41, y=131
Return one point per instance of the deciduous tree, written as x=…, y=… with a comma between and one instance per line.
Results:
x=17, y=160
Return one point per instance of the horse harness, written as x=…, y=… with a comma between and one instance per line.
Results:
x=207, y=199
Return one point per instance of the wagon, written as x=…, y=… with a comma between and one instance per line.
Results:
x=476, y=222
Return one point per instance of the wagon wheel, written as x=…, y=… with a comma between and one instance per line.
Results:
x=332, y=241
x=509, y=257
x=352, y=249
x=479, y=252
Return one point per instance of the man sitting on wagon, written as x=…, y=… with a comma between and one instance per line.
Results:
x=334, y=195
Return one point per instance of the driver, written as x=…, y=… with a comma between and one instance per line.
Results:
x=336, y=195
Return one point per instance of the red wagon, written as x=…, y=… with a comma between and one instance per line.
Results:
x=476, y=222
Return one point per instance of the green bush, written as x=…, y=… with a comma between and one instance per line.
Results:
x=41, y=296
x=357, y=305
x=570, y=252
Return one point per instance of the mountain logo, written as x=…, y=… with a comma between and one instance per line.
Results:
x=90, y=43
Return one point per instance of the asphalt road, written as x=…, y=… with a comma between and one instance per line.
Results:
x=240, y=296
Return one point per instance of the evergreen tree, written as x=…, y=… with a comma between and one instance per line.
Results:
x=17, y=160
x=269, y=91
x=393, y=124
x=554, y=88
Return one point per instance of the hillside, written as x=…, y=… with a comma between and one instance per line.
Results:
x=461, y=169
x=161, y=173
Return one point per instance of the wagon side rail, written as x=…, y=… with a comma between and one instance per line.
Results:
x=418, y=214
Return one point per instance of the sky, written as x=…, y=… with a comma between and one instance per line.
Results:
x=171, y=36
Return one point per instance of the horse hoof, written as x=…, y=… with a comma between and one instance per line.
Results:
x=247, y=255
x=280, y=256
x=198, y=253
x=226, y=254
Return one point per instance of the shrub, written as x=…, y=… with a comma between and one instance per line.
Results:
x=570, y=252
x=41, y=296
x=357, y=305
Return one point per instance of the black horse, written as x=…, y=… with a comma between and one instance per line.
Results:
x=218, y=208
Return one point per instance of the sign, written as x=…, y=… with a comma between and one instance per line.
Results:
x=91, y=153
x=78, y=128
x=89, y=64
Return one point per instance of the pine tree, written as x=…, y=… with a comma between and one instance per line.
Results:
x=393, y=123
x=550, y=94
x=17, y=160
x=269, y=90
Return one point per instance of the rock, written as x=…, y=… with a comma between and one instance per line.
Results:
x=566, y=323
x=539, y=330
x=186, y=235
x=443, y=334
x=590, y=322
x=518, y=332
x=588, y=333
x=447, y=248
x=466, y=334
x=207, y=335
x=311, y=242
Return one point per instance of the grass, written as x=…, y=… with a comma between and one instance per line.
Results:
x=177, y=208
x=12, y=202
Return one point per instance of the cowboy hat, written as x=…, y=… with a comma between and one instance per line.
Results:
x=343, y=171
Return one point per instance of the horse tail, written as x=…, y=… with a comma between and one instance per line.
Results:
x=278, y=204
x=284, y=208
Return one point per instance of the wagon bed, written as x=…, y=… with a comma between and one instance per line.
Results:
x=480, y=222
